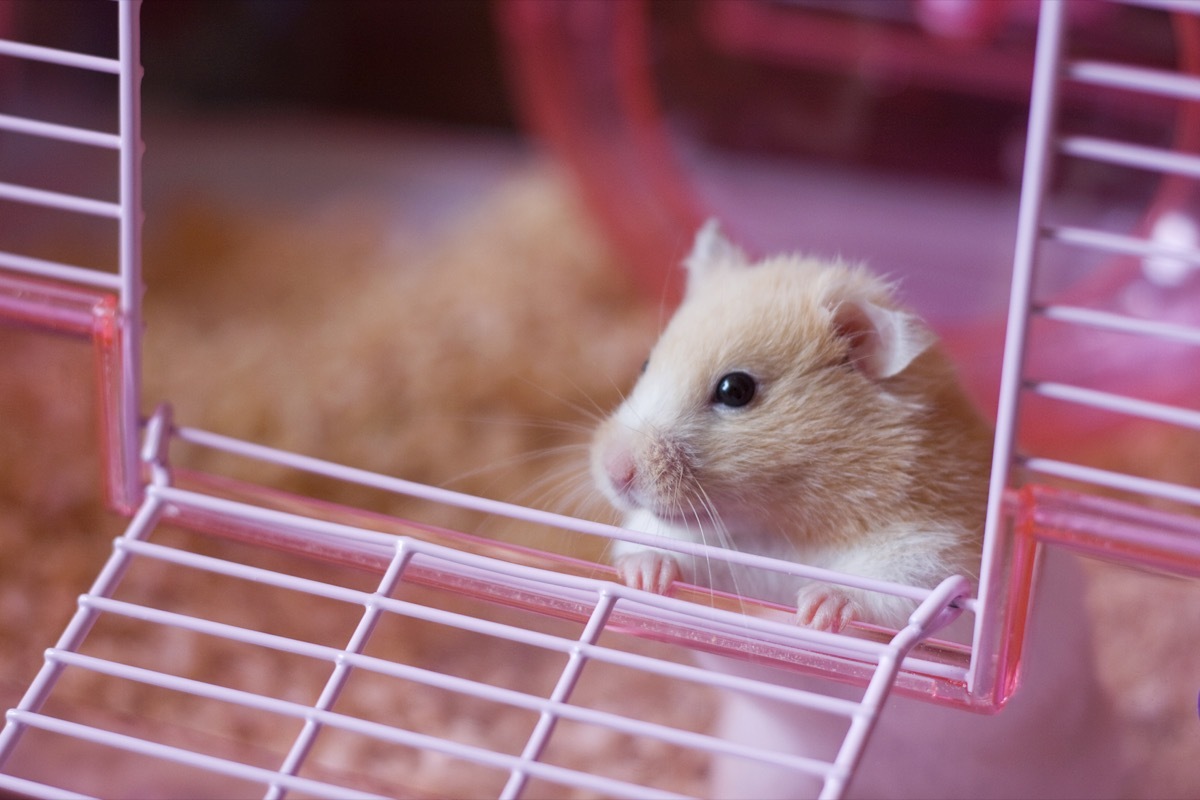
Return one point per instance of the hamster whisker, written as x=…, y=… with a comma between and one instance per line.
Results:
x=591, y=410
x=702, y=528
x=497, y=469
x=722, y=538
x=622, y=394
x=715, y=533
x=533, y=423
x=568, y=493
x=566, y=490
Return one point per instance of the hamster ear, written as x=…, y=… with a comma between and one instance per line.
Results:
x=883, y=341
x=711, y=251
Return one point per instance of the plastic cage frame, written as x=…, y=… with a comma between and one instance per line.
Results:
x=1023, y=515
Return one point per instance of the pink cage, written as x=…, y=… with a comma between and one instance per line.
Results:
x=1097, y=326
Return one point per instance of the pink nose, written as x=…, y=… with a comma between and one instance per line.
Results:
x=619, y=468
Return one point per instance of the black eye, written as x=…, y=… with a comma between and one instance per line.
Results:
x=734, y=390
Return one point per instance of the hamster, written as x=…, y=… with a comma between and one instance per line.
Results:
x=793, y=408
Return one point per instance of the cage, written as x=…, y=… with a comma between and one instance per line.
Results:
x=384, y=654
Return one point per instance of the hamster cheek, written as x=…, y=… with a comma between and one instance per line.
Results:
x=648, y=570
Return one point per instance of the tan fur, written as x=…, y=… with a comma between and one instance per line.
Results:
x=831, y=464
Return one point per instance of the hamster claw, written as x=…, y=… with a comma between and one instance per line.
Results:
x=825, y=608
x=650, y=572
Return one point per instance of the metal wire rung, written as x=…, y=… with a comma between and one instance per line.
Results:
x=66, y=58
x=1140, y=79
x=1106, y=320
x=1108, y=401
x=59, y=200
x=65, y=133
x=58, y=271
x=1163, y=490
x=1154, y=159
x=1120, y=243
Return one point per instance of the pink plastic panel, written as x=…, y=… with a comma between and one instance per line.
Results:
x=64, y=309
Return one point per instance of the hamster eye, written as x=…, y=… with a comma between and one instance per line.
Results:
x=734, y=390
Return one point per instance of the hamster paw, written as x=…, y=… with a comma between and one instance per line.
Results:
x=649, y=571
x=826, y=608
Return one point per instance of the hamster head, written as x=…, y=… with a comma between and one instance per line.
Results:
x=787, y=398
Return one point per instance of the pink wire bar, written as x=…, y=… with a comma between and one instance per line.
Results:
x=58, y=271
x=59, y=200
x=1164, y=490
x=1155, y=159
x=1108, y=401
x=126, y=486
x=1110, y=242
x=65, y=133
x=1120, y=323
x=66, y=58
x=1138, y=79
x=931, y=615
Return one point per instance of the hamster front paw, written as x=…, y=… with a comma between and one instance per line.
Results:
x=648, y=570
x=826, y=608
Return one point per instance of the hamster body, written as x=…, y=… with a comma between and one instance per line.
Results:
x=792, y=408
